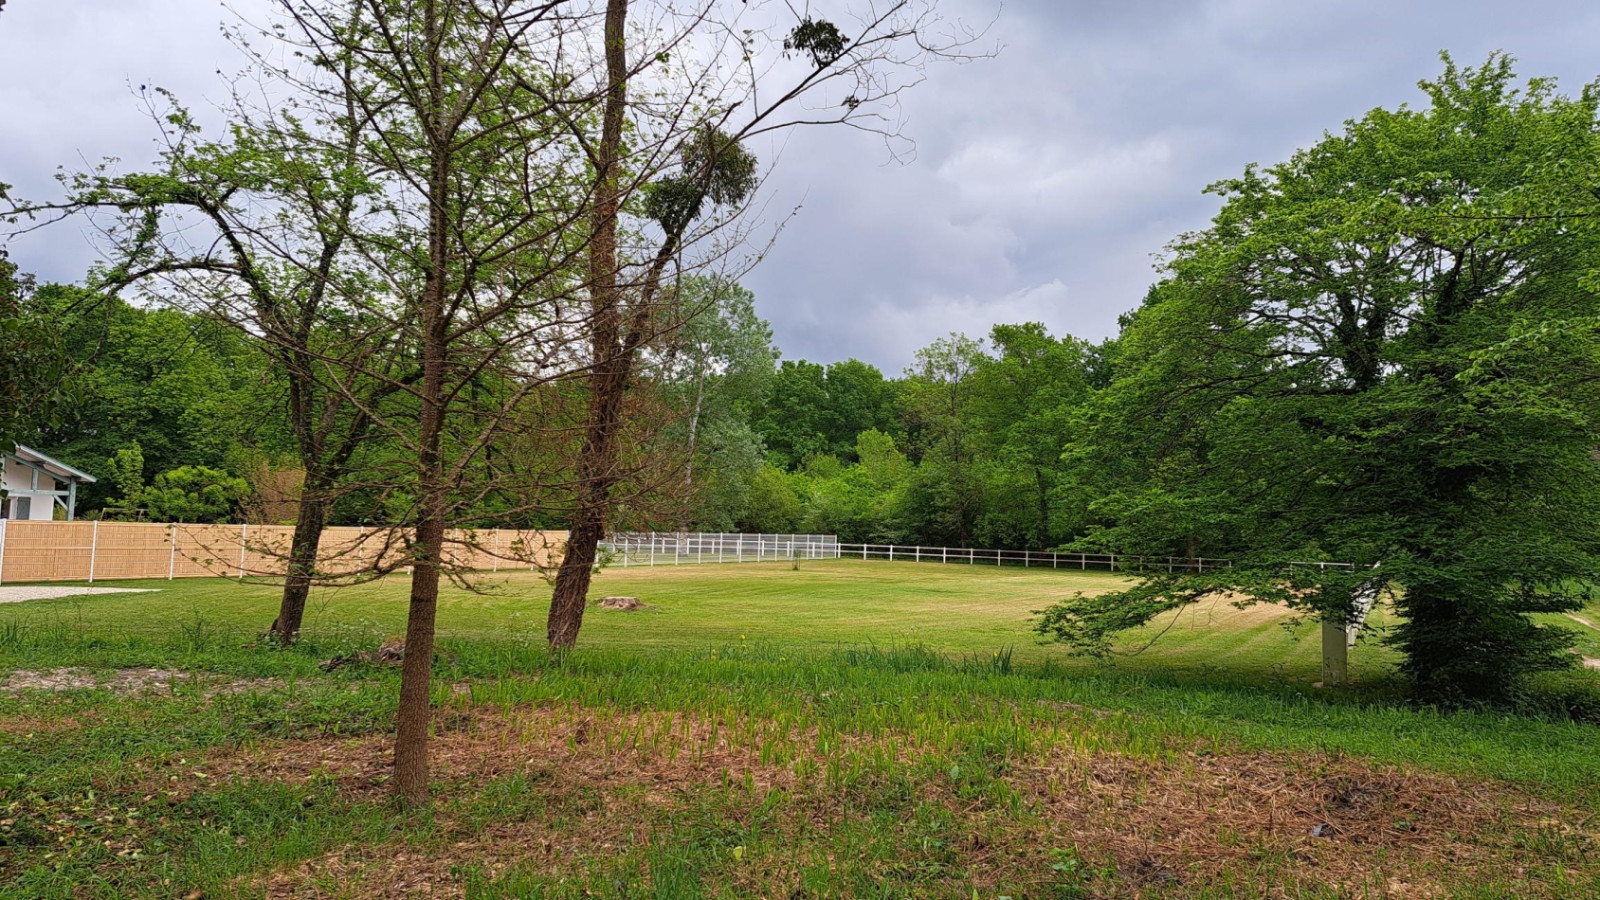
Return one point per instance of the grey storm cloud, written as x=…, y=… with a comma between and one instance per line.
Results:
x=1045, y=182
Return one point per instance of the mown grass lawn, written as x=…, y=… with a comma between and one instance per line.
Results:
x=846, y=729
x=951, y=608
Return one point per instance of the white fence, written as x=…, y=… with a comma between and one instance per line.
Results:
x=1029, y=559
x=689, y=548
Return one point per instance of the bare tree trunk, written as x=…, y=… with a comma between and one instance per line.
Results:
x=416, y=672
x=1044, y=508
x=612, y=362
x=308, y=527
x=688, y=465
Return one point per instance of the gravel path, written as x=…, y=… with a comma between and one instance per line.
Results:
x=19, y=594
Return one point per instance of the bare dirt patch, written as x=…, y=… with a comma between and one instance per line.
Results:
x=127, y=681
x=39, y=592
x=1184, y=822
x=28, y=727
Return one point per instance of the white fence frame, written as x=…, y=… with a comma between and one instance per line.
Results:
x=695, y=548
x=1028, y=559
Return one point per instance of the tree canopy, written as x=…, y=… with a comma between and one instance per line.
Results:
x=1309, y=383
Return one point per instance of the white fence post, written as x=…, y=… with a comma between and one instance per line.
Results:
x=244, y=535
x=172, y=551
x=94, y=547
x=2, y=551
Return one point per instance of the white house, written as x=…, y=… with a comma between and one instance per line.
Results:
x=35, y=484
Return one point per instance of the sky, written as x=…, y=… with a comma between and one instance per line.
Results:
x=1045, y=181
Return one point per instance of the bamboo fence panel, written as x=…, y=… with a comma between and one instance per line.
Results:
x=128, y=550
x=92, y=551
x=48, y=551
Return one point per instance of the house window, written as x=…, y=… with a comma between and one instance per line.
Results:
x=21, y=507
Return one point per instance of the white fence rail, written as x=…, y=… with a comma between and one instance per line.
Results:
x=1028, y=559
x=692, y=548
x=689, y=548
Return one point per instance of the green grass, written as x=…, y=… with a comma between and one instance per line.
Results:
x=844, y=730
x=954, y=608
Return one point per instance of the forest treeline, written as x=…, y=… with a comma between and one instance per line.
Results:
x=181, y=419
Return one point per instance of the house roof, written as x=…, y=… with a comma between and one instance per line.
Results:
x=52, y=465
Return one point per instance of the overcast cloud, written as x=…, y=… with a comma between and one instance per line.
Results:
x=1044, y=182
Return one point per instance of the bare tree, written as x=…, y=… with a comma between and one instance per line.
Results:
x=480, y=273
x=693, y=83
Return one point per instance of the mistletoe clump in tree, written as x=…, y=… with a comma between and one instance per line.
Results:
x=1337, y=369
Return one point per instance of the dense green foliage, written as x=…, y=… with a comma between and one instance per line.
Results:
x=963, y=450
x=1309, y=383
x=32, y=364
x=183, y=390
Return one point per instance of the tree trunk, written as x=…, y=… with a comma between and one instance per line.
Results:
x=612, y=358
x=416, y=671
x=688, y=465
x=572, y=582
x=588, y=525
x=1043, y=538
x=308, y=528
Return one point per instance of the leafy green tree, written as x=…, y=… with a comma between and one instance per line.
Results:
x=185, y=389
x=716, y=369
x=814, y=409
x=946, y=495
x=1304, y=385
x=791, y=424
x=127, y=474
x=195, y=494
x=859, y=502
x=1026, y=397
x=881, y=460
x=773, y=505
x=33, y=365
